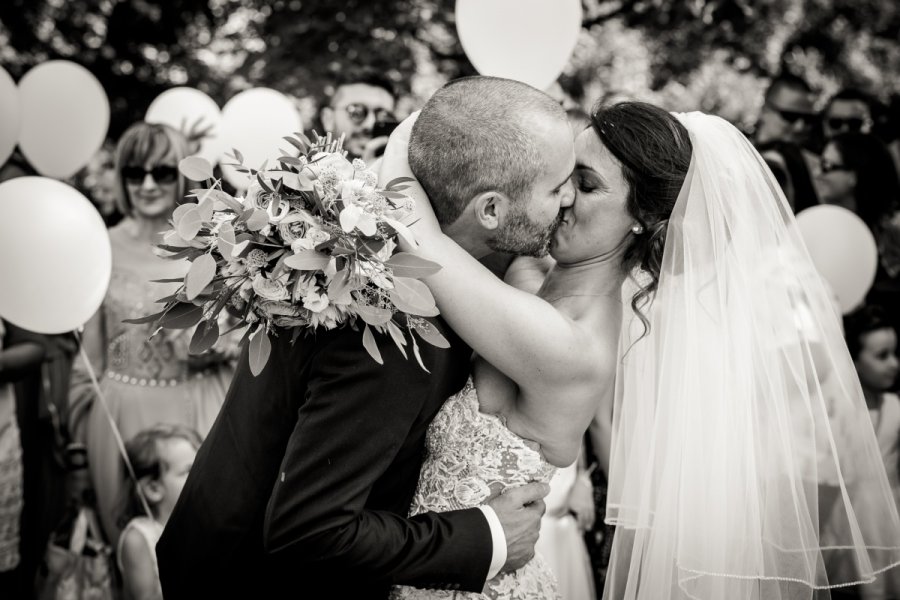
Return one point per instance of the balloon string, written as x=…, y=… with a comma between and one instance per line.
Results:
x=115, y=428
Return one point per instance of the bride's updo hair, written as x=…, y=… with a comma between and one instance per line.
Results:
x=655, y=151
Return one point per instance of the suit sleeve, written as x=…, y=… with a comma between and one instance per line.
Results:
x=350, y=427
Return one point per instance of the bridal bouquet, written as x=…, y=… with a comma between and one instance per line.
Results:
x=310, y=245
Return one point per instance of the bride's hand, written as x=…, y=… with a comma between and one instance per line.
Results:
x=395, y=163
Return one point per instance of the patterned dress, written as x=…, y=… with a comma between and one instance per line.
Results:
x=471, y=457
x=145, y=381
x=10, y=476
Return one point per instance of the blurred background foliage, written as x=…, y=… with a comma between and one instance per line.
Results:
x=713, y=55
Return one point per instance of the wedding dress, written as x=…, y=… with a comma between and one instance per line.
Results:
x=471, y=457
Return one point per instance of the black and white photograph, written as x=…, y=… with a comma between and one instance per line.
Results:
x=449, y=299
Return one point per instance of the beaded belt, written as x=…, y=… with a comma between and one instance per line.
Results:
x=149, y=382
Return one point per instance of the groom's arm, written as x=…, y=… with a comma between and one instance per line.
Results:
x=351, y=426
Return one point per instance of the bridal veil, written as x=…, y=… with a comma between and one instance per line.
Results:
x=744, y=463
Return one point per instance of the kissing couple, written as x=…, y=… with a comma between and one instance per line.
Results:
x=680, y=310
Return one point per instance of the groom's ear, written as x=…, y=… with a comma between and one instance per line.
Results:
x=490, y=209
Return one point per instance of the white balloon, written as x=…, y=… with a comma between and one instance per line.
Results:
x=56, y=254
x=526, y=40
x=184, y=108
x=65, y=117
x=843, y=249
x=10, y=115
x=254, y=122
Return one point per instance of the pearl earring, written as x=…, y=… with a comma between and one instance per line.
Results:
x=637, y=229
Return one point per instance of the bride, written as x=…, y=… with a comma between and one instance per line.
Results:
x=683, y=309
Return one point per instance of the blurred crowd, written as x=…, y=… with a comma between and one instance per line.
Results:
x=73, y=405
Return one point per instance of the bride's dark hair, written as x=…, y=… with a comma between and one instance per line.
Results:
x=655, y=151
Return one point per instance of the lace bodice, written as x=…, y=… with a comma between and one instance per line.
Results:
x=472, y=456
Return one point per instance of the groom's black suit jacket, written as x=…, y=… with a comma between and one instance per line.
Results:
x=302, y=488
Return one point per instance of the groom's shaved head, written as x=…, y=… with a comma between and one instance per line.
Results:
x=475, y=135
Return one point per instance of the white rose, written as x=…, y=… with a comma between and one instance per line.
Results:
x=290, y=232
x=268, y=289
x=253, y=195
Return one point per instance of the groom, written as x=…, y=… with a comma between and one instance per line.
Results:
x=303, y=485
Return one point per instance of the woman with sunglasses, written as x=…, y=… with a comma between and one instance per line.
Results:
x=144, y=380
x=858, y=173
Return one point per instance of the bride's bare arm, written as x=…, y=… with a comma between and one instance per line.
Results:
x=522, y=335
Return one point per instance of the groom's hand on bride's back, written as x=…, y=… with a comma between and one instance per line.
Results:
x=520, y=510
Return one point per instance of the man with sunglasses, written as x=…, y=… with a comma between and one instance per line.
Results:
x=362, y=108
x=848, y=111
x=787, y=114
x=783, y=136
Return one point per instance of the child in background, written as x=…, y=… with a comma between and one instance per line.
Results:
x=161, y=457
x=570, y=512
x=873, y=346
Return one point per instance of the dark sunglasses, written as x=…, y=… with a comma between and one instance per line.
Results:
x=828, y=166
x=792, y=117
x=160, y=174
x=854, y=124
x=359, y=112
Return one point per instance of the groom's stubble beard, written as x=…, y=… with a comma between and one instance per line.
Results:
x=521, y=236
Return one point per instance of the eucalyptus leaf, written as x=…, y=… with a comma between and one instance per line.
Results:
x=240, y=248
x=262, y=182
x=146, y=319
x=418, y=355
x=405, y=264
x=339, y=286
x=200, y=275
x=397, y=180
x=373, y=315
x=205, y=336
x=226, y=240
x=189, y=224
x=297, y=181
x=371, y=346
x=205, y=208
x=295, y=143
x=258, y=219
x=181, y=316
x=188, y=253
x=307, y=260
x=403, y=231
x=413, y=297
x=260, y=348
x=196, y=168
x=430, y=334
x=179, y=211
x=398, y=337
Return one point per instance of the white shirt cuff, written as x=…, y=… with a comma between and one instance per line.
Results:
x=499, y=541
